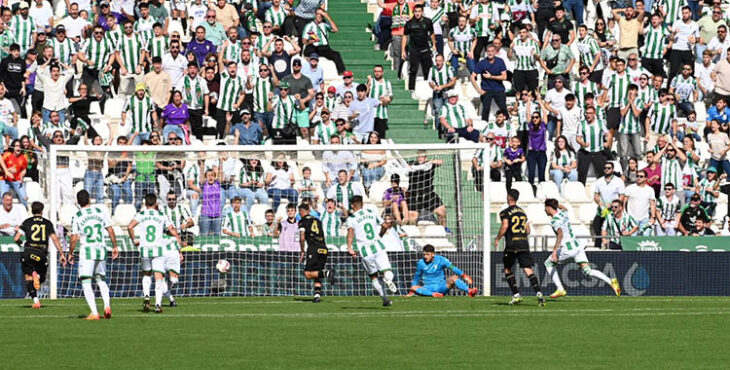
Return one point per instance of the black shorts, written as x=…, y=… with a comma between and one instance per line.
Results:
x=316, y=259
x=424, y=201
x=34, y=260
x=613, y=118
x=524, y=257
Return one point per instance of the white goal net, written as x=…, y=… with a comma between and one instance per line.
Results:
x=241, y=204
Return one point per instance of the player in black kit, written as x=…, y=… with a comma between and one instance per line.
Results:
x=311, y=236
x=517, y=248
x=34, y=260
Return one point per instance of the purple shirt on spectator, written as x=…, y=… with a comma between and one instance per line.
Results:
x=394, y=194
x=211, y=199
x=536, y=141
x=200, y=49
x=176, y=115
x=513, y=154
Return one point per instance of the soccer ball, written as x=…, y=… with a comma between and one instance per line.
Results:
x=223, y=266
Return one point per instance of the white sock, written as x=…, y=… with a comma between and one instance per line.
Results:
x=600, y=275
x=169, y=287
x=104, y=290
x=89, y=295
x=146, y=284
x=159, y=289
x=378, y=288
x=554, y=275
x=388, y=276
x=36, y=300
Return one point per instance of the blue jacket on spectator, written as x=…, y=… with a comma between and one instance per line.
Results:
x=722, y=117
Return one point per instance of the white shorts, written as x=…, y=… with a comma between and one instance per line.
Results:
x=156, y=264
x=145, y=264
x=376, y=262
x=578, y=255
x=90, y=268
x=172, y=261
x=178, y=5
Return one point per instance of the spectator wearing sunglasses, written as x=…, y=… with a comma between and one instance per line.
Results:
x=617, y=224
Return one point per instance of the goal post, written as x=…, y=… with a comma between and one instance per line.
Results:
x=441, y=206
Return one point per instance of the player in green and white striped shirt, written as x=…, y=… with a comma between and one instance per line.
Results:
x=140, y=106
x=366, y=226
x=23, y=27
x=236, y=222
x=179, y=215
x=462, y=41
x=152, y=225
x=567, y=247
x=331, y=219
x=617, y=224
x=87, y=227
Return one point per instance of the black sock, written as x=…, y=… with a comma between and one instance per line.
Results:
x=535, y=284
x=317, y=290
x=31, y=289
x=320, y=274
x=512, y=283
x=184, y=22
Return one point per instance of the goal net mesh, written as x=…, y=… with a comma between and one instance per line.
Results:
x=433, y=200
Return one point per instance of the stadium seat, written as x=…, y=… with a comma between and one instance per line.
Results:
x=587, y=212
x=34, y=191
x=257, y=213
x=123, y=214
x=536, y=214
x=377, y=189
x=525, y=189
x=66, y=213
x=412, y=231
x=497, y=194
x=434, y=231
x=581, y=230
x=575, y=192
x=548, y=189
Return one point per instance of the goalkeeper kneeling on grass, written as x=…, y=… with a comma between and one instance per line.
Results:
x=430, y=272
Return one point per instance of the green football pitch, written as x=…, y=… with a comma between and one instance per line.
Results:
x=358, y=333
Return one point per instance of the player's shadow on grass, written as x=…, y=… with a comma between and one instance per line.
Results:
x=303, y=299
x=527, y=304
x=362, y=308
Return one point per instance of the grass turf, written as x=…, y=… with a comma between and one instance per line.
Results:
x=357, y=333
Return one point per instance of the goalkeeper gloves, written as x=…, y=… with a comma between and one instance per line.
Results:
x=467, y=278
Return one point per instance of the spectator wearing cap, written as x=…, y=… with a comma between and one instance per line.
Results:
x=40, y=44
x=326, y=128
x=139, y=107
x=176, y=117
x=196, y=96
x=24, y=28
x=394, y=201
x=159, y=84
x=348, y=84
x=492, y=71
x=556, y=59
x=693, y=216
x=42, y=13
x=284, y=106
x=316, y=36
x=684, y=88
x=247, y=132
x=455, y=121
x=709, y=190
x=301, y=88
x=362, y=113
x=314, y=72
x=330, y=99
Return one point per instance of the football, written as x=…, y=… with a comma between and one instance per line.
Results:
x=223, y=266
